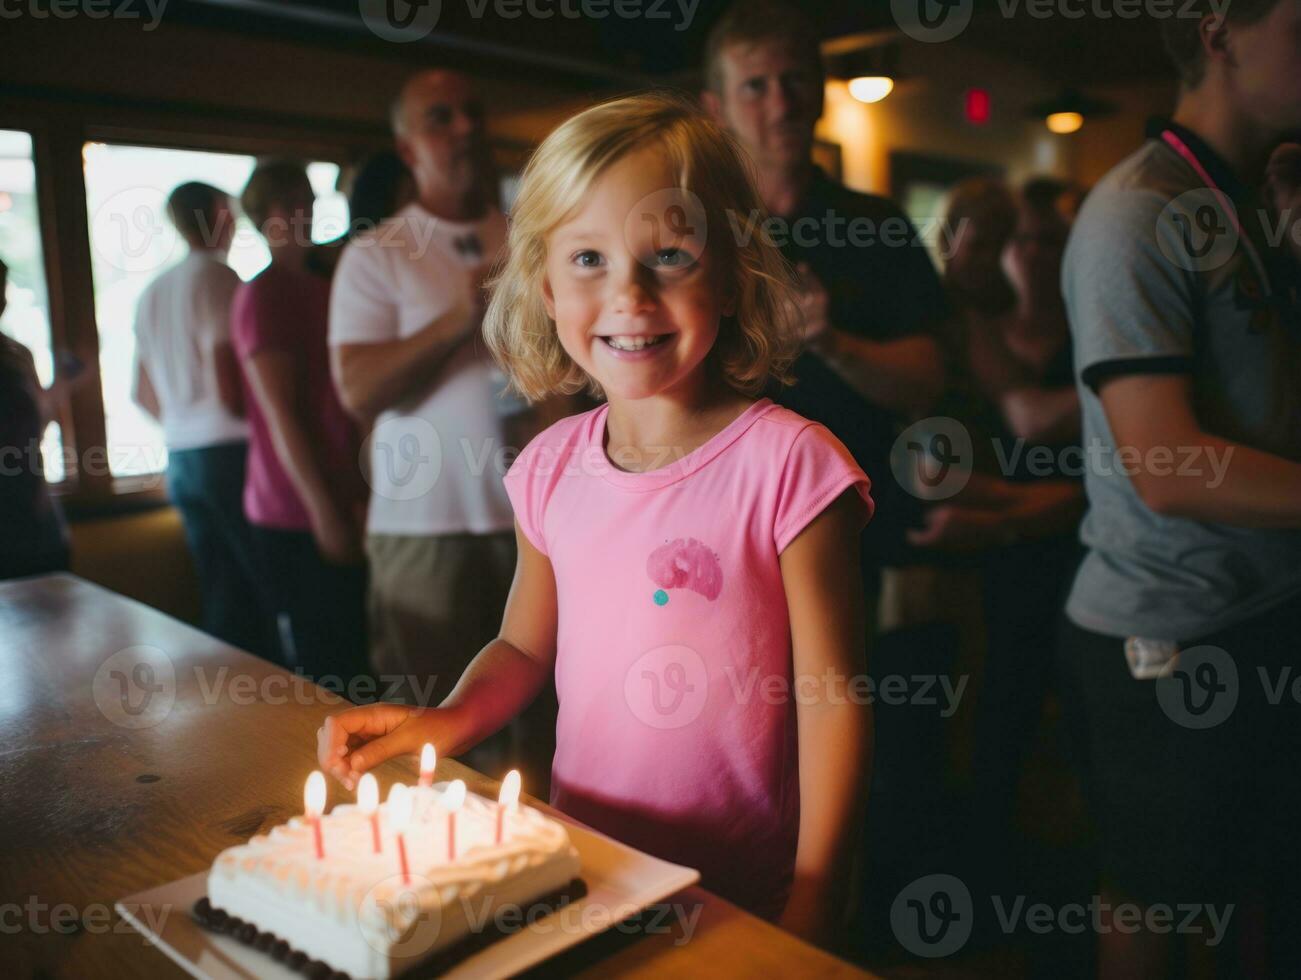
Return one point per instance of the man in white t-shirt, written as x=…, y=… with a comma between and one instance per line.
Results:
x=186, y=376
x=408, y=357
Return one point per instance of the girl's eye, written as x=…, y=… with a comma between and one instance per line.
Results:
x=673, y=258
x=587, y=259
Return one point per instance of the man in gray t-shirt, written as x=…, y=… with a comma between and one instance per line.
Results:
x=1184, y=622
x=1156, y=291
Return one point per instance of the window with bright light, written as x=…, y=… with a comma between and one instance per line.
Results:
x=27, y=316
x=132, y=243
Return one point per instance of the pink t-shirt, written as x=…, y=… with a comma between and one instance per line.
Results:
x=674, y=634
x=286, y=310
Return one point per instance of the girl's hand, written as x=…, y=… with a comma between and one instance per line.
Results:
x=353, y=741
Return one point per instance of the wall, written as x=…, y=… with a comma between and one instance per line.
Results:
x=925, y=114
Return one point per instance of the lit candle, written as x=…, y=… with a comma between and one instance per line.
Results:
x=507, y=798
x=399, y=815
x=368, y=803
x=314, y=806
x=452, y=799
x=427, y=765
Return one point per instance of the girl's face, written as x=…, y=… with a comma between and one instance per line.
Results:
x=634, y=292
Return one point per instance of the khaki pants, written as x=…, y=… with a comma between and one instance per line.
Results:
x=435, y=602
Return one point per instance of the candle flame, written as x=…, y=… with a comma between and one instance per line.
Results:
x=314, y=794
x=368, y=794
x=510, y=788
x=453, y=796
x=427, y=758
x=399, y=807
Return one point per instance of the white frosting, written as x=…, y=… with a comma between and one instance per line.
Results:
x=352, y=910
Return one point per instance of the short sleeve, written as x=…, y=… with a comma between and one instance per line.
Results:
x=1131, y=308
x=817, y=470
x=526, y=489
x=258, y=322
x=363, y=308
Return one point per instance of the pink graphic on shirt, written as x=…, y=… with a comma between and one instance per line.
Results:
x=685, y=563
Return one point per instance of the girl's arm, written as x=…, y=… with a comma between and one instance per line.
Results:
x=497, y=685
x=824, y=593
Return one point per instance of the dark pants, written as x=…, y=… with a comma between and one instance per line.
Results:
x=1193, y=777
x=207, y=486
x=320, y=607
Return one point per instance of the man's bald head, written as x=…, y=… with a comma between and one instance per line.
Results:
x=438, y=129
x=421, y=89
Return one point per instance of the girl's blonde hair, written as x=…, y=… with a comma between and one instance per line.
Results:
x=759, y=341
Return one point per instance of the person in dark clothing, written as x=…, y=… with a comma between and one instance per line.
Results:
x=871, y=299
x=32, y=536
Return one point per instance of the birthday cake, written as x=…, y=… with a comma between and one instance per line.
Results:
x=371, y=891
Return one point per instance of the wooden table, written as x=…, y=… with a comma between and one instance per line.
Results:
x=103, y=798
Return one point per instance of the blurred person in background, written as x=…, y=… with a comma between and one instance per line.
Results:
x=33, y=538
x=304, y=495
x=186, y=376
x=1014, y=522
x=409, y=358
x=381, y=186
x=871, y=308
x=1186, y=609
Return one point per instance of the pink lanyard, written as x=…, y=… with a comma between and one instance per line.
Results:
x=1180, y=147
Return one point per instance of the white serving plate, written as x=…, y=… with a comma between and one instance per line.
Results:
x=621, y=881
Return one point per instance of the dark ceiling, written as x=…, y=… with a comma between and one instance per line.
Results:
x=667, y=44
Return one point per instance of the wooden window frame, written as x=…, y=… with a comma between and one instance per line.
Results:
x=60, y=126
